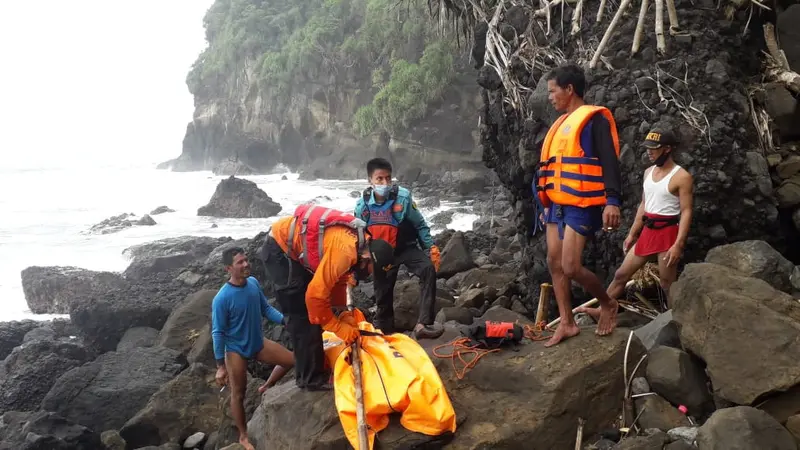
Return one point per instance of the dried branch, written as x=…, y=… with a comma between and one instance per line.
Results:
x=576, y=18
x=674, y=27
x=609, y=31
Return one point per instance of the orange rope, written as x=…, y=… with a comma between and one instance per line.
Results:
x=462, y=350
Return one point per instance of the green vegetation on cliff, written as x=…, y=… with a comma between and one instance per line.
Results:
x=390, y=47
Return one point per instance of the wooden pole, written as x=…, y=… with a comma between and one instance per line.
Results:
x=609, y=31
x=361, y=415
x=591, y=302
x=544, y=302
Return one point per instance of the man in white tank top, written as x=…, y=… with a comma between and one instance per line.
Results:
x=662, y=221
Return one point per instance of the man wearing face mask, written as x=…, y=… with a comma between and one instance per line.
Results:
x=310, y=258
x=662, y=221
x=392, y=215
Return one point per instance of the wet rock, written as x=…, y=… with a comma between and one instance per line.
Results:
x=45, y=431
x=460, y=315
x=105, y=393
x=239, y=198
x=114, y=224
x=180, y=407
x=161, y=210
x=660, y=331
x=456, y=257
x=757, y=259
x=53, y=289
x=736, y=351
x=187, y=321
x=27, y=374
x=655, y=412
x=677, y=377
x=743, y=428
x=137, y=337
x=146, y=220
x=12, y=333
x=169, y=255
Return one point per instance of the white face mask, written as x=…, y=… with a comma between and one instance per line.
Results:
x=381, y=189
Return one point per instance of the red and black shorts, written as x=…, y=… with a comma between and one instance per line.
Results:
x=658, y=234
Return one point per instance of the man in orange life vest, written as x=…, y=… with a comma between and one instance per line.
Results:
x=579, y=184
x=310, y=257
x=662, y=221
x=392, y=215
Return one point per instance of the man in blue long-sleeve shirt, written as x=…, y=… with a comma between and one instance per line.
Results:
x=236, y=314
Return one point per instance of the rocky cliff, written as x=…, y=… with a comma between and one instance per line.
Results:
x=708, y=83
x=320, y=85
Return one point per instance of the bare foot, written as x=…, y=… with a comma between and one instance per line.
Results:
x=244, y=442
x=608, y=319
x=263, y=388
x=563, y=332
x=594, y=312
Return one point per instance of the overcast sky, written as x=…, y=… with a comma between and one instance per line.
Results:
x=88, y=80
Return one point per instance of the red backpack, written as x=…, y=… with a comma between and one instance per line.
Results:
x=314, y=220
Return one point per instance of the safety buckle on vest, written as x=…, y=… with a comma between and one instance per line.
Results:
x=559, y=210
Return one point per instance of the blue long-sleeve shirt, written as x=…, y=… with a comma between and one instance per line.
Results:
x=236, y=313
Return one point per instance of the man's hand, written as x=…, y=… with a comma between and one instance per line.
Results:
x=610, y=217
x=629, y=241
x=435, y=257
x=543, y=215
x=673, y=255
x=222, y=376
x=346, y=332
x=348, y=318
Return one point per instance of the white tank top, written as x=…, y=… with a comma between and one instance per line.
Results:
x=657, y=197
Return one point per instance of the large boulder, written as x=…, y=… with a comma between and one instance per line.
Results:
x=52, y=290
x=456, y=257
x=738, y=325
x=756, y=259
x=187, y=321
x=181, y=407
x=239, y=198
x=406, y=304
x=105, y=393
x=679, y=378
x=27, y=374
x=12, y=333
x=169, y=254
x=137, y=337
x=509, y=399
x=743, y=428
x=44, y=430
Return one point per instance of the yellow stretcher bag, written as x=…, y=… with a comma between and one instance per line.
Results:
x=397, y=377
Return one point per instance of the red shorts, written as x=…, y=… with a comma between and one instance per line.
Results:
x=656, y=240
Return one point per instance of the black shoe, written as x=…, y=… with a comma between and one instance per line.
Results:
x=429, y=332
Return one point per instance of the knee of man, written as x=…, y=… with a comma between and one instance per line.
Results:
x=553, y=262
x=621, y=276
x=570, y=267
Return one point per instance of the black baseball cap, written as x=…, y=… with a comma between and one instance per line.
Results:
x=658, y=137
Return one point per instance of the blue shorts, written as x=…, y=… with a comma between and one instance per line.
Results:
x=585, y=221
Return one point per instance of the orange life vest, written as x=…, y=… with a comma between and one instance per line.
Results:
x=314, y=220
x=566, y=176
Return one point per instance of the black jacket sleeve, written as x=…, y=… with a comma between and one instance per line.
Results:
x=604, y=149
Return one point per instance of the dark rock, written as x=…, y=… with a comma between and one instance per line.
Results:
x=232, y=168
x=789, y=35
x=170, y=254
x=673, y=374
x=655, y=412
x=53, y=289
x=788, y=168
x=685, y=434
x=460, y=315
x=679, y=445
x=27, y=374
x=406, y=304
x=793, y=425
x=788, y=193
x=717, y=71
x=44, y=430
x=782, y=107
x=756, y=259
x=239, y=198
x=105, y=393
x=161, y=210
x=113, y=224
x=471, y=298
x=137, y=337
x=53, y=330
x=653, y=441
x=709, y=302
x=743, y=428
x=660, y=331
x=489, y=79
x=187, y=321
x=146, y=220
x=112, y=440
x=502, y=416
x=180, y=407
x=456, y=257
x=499, y=314
x=12, y=333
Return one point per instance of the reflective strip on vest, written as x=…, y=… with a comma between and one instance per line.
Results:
x=566, y=175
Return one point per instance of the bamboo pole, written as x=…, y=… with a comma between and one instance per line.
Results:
x=674, y=26
x=609, y=31
x=361, y=415
x=637, y=36
x=591, y=302
x=600, y=11
x=660, y=42
x=544, y=302
x=576, y=18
